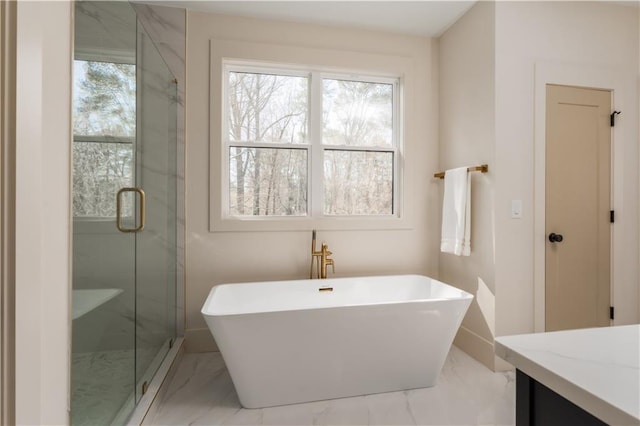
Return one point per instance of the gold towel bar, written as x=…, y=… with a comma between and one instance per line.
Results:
x=483, y=169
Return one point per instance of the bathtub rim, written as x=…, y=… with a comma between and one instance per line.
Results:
x=463, y=296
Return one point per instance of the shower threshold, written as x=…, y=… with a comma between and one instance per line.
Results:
x=151, y=399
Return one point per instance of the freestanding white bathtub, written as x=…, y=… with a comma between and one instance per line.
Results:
x=287, y=342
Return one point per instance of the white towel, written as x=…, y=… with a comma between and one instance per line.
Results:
x=456, y=213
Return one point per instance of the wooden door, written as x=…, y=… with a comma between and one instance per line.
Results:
x=578, y=182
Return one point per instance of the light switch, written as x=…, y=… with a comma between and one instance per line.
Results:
x=516, y=209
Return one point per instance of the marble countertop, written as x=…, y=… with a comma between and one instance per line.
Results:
x=597, y=369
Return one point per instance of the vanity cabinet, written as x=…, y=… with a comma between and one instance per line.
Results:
x=576, y=377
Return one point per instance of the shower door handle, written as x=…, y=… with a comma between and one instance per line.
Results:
x=142, y=213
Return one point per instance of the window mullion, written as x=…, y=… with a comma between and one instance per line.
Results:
x=398, y=163
x=316, y=166
x=268, y=145
x=359, y=148
x=104, y=139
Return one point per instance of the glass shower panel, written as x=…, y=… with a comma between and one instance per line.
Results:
x=156, y=244
x=104, y=128
x=124, y=278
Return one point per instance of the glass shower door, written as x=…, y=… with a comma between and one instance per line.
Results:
x=156, y=244
x=124, y=205
x=104, y=139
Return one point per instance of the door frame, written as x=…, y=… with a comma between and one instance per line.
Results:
x=7, y=210
x=624, y=183
x=43, y=200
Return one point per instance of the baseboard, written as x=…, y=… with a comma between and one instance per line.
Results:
x=502, y=365
x=199, y=340
x=476, y=346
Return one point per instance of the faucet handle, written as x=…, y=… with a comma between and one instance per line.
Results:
x=325, y=249
x=333, y=265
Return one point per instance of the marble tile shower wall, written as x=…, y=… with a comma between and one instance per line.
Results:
x=167, y=28
x=156, y=174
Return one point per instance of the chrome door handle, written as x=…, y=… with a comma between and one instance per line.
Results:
x=142, y=213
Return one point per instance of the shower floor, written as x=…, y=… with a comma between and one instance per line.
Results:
x=102, y=386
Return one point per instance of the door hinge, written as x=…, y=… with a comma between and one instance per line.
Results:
x=613, y=117
x=610, y=312
x=612, y=216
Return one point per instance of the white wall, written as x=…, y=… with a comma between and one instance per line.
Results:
x=467, y=138
x=43, y=141
x=219, y=257
x=578, y=42
x=492, y=109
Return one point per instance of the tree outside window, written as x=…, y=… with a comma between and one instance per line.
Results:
x=104, y=129
x=270, y=141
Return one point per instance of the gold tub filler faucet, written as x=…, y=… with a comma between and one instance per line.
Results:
x=320, y=258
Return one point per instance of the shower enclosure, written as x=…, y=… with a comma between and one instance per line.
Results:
x=124, y=213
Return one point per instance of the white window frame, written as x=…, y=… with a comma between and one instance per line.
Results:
x=396, y=142
x=235, y=66
x=328, y=60
x=314, y=144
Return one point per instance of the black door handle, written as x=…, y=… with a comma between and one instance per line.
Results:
x=555, y=238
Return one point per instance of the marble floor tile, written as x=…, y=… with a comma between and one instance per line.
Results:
x=467, y=393
x=101, y=383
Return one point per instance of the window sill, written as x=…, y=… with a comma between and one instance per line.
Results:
x=344, y=223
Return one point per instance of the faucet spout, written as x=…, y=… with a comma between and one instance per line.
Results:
x=326, y=261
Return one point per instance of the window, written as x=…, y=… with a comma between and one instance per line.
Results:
x=267, y=118
x=358, y=147
x=304, y=143
x=104, y=129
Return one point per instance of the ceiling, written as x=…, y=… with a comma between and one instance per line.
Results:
x=423, y=18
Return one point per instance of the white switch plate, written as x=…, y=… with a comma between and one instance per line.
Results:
x=516, y=209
